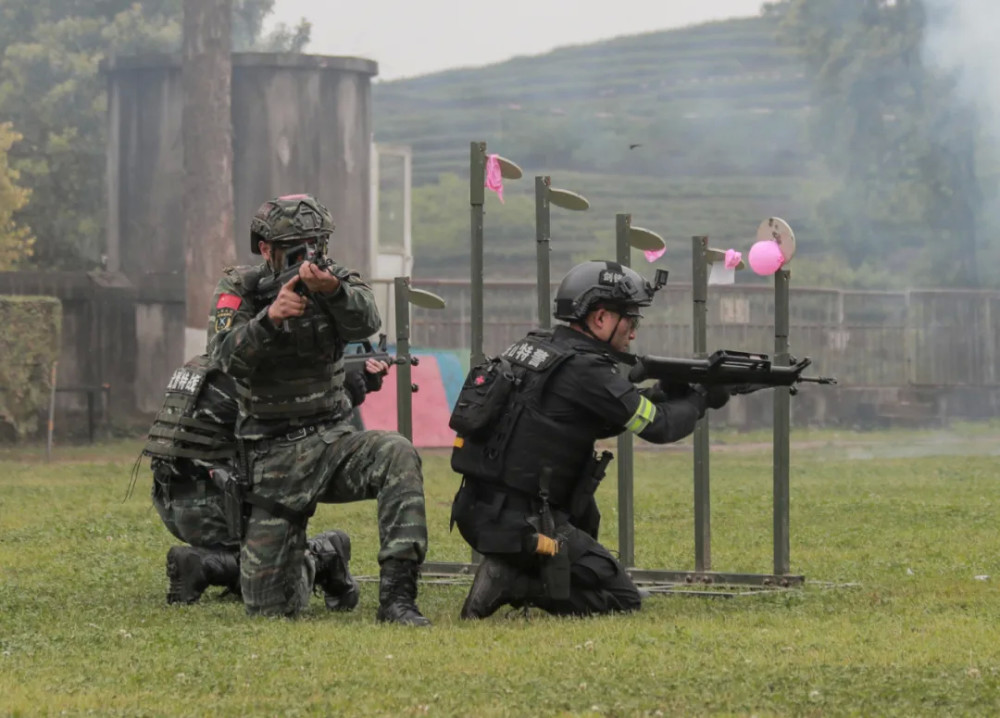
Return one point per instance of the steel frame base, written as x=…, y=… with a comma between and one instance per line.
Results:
x=656, y=581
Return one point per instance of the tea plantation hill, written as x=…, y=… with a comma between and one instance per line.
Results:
x=717, y=110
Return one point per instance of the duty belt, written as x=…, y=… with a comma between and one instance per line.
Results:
x=300, y=433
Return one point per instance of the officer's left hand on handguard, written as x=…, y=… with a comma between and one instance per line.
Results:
x=715, y=396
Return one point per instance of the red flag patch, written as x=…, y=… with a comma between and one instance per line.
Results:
x=229, y=301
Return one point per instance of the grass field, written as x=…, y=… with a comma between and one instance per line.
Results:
x=898, y=616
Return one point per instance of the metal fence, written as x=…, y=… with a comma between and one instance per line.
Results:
x=932, y=338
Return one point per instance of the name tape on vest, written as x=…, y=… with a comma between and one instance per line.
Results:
x=185, y=381
x=530, y=355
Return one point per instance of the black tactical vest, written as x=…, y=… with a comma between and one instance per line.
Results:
x=197, y=417
x=523, y=440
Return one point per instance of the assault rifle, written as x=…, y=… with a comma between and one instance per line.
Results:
x=365, y=351
x=739, y=372
x=268, y=287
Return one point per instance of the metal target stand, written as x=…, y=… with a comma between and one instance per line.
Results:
x=702, y=581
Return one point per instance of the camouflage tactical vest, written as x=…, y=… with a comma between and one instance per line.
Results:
x=197, y=417
x=302, y=374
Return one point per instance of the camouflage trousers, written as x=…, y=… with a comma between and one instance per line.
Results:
x=190, y=505
x=336, y=464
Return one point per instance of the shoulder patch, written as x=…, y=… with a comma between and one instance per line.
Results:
x=531, y=354
x=223, y=318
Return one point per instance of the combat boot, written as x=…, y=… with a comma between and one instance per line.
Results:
x=397, y=593
x=496, y=584
x=332, y=551
x=191, y=570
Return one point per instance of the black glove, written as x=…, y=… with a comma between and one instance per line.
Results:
x=354, y=382
x=715, y=396
x=678, y=390
x=654, y=393
x=661, y=392
x=373, y=382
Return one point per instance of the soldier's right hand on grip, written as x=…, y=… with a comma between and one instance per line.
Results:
x=287, y=304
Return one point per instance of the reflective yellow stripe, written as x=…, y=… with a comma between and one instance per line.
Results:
x=642, y=417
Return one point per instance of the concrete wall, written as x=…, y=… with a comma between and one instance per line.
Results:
x=301, y=123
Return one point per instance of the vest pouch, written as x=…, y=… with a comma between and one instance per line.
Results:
x=483, y=398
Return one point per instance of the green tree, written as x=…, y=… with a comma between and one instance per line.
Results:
x=51, y=88
x=441, y=229
x=895, y=134
x=15, y=240
x=248, y=22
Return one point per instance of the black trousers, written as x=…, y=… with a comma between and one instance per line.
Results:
x=501, y=529
x=598, y=582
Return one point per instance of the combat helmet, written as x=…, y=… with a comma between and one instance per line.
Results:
x=600, y=283
x=290, y=218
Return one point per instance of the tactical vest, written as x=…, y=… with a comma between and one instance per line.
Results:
x=191, y=393
x=302, y=373
x=523, y=439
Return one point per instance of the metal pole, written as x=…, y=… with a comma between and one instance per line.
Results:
x=699, y=325
x=477, y=197
x=626, y=463
x=90, y=414
x=477, y=178
x=782, y=427
x=542, y=236
x=404, y=387
x=52, y=412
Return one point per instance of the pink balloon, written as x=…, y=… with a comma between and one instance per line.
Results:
x=765, y=258
x=653, y=254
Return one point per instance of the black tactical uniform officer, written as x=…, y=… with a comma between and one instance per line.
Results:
x=526, y=500
x=191, y=437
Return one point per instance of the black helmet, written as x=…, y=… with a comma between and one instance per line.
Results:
x=600, y=283
x=291, y=218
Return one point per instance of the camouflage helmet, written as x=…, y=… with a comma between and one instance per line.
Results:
x=595, y=283
x=290, y=218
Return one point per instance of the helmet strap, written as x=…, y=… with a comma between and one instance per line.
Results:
x=585, y=325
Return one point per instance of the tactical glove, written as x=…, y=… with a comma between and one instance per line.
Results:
x=373, y=382
x=715, y=396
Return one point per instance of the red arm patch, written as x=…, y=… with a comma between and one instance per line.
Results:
x=229, y=301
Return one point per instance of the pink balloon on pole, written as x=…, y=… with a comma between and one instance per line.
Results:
x=765, y=258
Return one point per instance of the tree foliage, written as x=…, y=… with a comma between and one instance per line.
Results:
x=441, y=229
x=15, y=240
x=896, y=135
x=51, y=88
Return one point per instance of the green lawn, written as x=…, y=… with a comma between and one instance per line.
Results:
x=896, y=617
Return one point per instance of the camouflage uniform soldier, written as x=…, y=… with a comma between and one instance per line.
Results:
x=300, y=447
x=191, y=437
